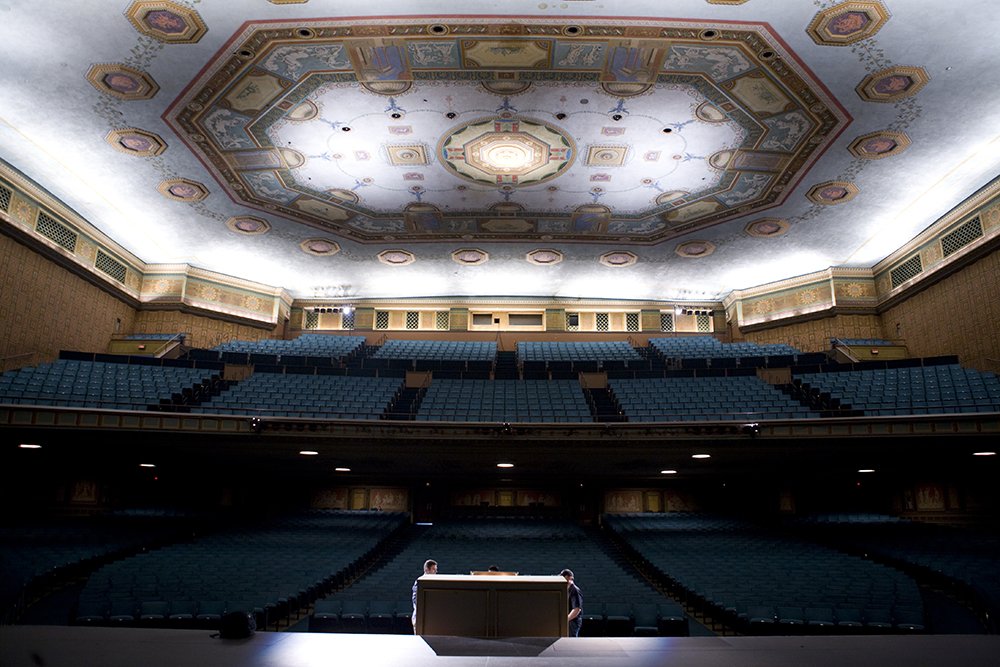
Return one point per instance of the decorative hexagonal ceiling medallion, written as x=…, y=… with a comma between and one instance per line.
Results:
x=877, y=145
x=695, y=249
x=396, y=257
x=167, y=22
x=619, y=258
x=320, y=247
x=892, y=84
x=336, y=91
x=122, y=81
x=832, y=192
x=249, y=225
x=133, y=141
x=767, y=228
x=507, y=152
x=470, y=256
x=544, y=257
x=847, y=23
x=181, y=189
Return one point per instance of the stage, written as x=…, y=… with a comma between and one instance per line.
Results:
x=53, y=646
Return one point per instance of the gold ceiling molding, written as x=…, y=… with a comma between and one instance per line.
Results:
x=122, y=81
x=847, y=23
x=133, y=141
x=832, y=193
x=892, y=84
x=878, y=145
x=167, y=21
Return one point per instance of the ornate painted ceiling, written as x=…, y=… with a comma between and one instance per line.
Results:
x=581, y=148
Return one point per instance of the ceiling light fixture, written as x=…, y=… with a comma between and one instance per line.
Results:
x=308, y=452
x=973, y=453
x=25, y=445
x=147, y=465
x=701, y=456
x=668, y=472
x=866, y=470
x=505, y=465
x=342, y=470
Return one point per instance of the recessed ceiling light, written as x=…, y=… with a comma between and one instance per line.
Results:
x=25, y=445
x=973, y=453
x=147, y=465
x=866, y=470
x=701, y=456
x=308, y=452
x=342, y=470
x=668, y=472
x=505, y=465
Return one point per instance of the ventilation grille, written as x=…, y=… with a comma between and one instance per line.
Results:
x=5, y=196
x=312, y=319
x=905, y=271
x=666, y=321
x=631, y=321
x=347, y=320
x=572, y=321
x=412, y=319
x=601, y=322
x=110, y=266
x=442, y=320
x=382, y=319
x=52, y=229
x=954, y=241
x=704, y=323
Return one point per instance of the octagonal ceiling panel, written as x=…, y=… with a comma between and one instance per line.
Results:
x=665, y=129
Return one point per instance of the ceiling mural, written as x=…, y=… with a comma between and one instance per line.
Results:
x=680, y=150
x=586, y=131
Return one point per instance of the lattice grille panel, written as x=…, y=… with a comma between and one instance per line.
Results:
x=312, y=320
x=954, y=241
x=601, y=322
x=347, y=320
x=572, y=321
x=666, y=321
x=631, y=321
x=704, y=323
x=905, y=271
x=110, y=266
x=5, y=196
x=52, y=229
x=381, y=319
x=412, y=319
x=442, y=319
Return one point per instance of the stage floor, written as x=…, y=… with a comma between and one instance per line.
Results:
x=52, y=646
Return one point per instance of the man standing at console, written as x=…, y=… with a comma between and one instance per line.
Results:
x=574, y=616
x=430, y=567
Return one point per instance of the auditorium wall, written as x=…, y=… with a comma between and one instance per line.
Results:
x=204, y=332
x=46, y=308
x=815, y=335
x=959, y=315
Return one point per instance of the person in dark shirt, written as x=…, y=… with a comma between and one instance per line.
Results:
x=430, y=567
x=575, y=615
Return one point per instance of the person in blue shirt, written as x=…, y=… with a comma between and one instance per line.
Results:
x=575, y=604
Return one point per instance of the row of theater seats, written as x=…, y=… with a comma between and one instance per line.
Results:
x=911, y=390
x=759, y=580
x=98, y=384
x=706, y=347
x=612, y=592
x=269, y=570
x=576, y=351
x=505, y=401
x=452, y=350
x=710, y=398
